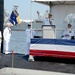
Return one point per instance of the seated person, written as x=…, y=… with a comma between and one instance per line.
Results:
x=68, y=33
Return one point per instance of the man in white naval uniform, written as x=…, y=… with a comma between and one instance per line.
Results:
x=47, y=20
x=29, y=33
x=7, y=35
x=68, y=33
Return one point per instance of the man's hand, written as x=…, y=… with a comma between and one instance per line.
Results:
x=46, y=10
x=38, y=12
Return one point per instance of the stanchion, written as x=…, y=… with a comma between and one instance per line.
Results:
x=12, y=58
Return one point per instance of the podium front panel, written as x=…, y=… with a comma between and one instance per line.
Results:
x=48, y=31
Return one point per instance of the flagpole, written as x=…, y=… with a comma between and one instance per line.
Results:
x=31, y=14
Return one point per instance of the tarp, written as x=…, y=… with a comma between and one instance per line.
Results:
x=55, y=2
x=60, y=10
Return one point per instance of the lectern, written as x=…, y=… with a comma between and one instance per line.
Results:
x=48, y=31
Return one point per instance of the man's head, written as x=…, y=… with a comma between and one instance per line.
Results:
x=49, y=15
x=69, y=25
x=29, y=26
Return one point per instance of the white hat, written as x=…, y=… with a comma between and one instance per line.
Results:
x=7, y=24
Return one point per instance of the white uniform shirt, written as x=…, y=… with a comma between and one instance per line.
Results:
x=7, y=33
x=46, y=20
x=29, y=34
x=70, y=32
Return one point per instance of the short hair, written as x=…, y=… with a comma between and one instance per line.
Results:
x=50, y=14
x=69, y=24
x=29, y=25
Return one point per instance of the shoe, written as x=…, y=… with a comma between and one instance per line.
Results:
x=31, y=58
x=7, y=52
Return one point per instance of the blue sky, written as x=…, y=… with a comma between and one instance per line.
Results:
x=25, y=7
